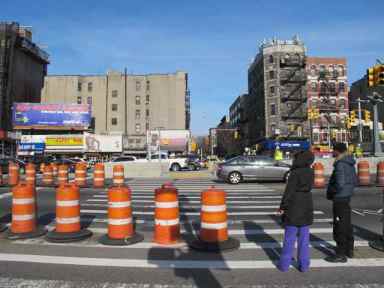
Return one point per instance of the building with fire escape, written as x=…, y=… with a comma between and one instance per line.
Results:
x=276, y=104
x=23, y=66
x=327, y=92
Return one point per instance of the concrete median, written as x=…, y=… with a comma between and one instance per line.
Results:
x=153, y=169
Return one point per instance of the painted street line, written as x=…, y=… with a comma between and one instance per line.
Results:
x=91, y=211
x=187, y=207
x=172, y=264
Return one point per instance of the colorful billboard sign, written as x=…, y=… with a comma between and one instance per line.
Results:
x=51, y=116
x=64, y=140
x=169, y=140
x=103, y=143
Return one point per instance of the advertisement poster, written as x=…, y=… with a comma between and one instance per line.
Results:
x=51, y=116
x=169, y=140
x=103, y=143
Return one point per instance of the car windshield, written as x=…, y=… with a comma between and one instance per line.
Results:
x=236, y=160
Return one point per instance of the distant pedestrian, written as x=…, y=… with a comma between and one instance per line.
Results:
x=340, y=190
x=296, y=209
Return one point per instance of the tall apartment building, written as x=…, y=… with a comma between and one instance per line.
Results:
x=23, y=66
x=327, y=91
x=126, y=104
x=237, y=118
x=276, y=101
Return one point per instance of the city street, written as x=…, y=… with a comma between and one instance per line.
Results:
x=252, y=219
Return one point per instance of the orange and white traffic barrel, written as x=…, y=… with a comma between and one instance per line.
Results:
x=13, y=173
x=380, y=174
x=363, y=173
x=68, y=226
x=30, y=174
x=121, y=230
x=319, y=180
x=213, y=223
x=48, y=176
x=98, y=175
x=62, y=175
x=167, y=225
x=24, y=222
x=81, y=174
x=118, y=175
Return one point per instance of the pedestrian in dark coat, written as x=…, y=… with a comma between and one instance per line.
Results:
x=297, y=211
x=340, y=190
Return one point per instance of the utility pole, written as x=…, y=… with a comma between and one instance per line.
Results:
x=375, y=99
x=360, y=126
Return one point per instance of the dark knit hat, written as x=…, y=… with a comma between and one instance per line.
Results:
x=340, y=147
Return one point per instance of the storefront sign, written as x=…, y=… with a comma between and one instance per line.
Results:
x=103, y=143
x=64, y=141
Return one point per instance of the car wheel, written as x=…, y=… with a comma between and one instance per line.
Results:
x=191, y=167
x=286, y=176
x=234, y=178
x=175, y=167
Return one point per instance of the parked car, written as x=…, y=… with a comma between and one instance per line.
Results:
x=4, y=163
x=193, y=163
x=242, y=168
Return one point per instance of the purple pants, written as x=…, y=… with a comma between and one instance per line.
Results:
x=293, y=233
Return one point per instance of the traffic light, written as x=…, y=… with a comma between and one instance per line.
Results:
x=367, y=115
x=310, y=114
x=316, y=113
x=379, y=75
x=352, y=117
x=348, y=122
x=371, y=77
x=236, y=134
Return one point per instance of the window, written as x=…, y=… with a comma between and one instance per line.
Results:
x=332, y=87
x=138, y=85
x=322, y=68
x=90, y=87
x=270, y=59
x=148, y=85
x=78, y=99
x=114, y=121
x=341, y=70
x=114, y=107
x=138, y=141
x=331, y=68
x=314, y=103
x=147, y=99
x=137, y=100
x=130, y=141
x=137, y=128
x=89, y=100
x=147, y=113
x=314, y=86
x=271, y=74
x=323, y=88
x=273, y=109
x=313, y=70
x=114, y=93
x=341, y=87
x=272, y=88
x=147, y=126
x=79, y=86
x=137, y=114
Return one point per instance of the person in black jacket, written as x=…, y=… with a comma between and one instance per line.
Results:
x=296, y=209
x=340, y=190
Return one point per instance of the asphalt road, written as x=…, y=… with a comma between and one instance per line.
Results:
x=252, y=220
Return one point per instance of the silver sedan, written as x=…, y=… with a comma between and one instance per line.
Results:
x=242, y=168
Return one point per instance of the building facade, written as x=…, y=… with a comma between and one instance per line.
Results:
x=23, y=66
x=327, y=92
x=276, y=101
x=126, y=104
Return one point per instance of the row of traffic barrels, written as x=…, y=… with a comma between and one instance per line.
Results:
x=363, y=174
x=55, y=174
x=213, y=235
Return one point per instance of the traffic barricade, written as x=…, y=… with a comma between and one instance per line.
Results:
x=167, y=226
x=24, y=213
x=81, y=174
x=118, y=175
x=68, y=225
x=121, y=230
x=213, y=236
x=363, y=173
x=99, y=176
x=319, y=180
x=48, y=176
x=30, y=174
x=62, y=175
x=13, y=173
x=380, y=174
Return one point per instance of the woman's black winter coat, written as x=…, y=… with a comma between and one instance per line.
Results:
x=297, y=202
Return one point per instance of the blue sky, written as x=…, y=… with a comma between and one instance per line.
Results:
x=214, y=41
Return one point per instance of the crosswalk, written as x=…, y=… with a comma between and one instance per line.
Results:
x=252, y=219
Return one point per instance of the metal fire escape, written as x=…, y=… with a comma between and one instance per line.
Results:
x=292, y=88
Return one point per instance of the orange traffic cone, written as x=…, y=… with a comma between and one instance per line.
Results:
x=98, y=176
x=24, y=222
x=319, y=180
x=13, y=173
x=121, y=230
x=167, y=226
x=68, y=226
x=214, y=228
x=363, y=173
